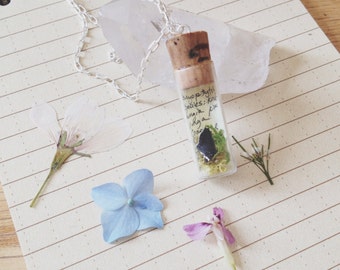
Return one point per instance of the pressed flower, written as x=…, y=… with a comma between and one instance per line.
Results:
x=130, y=207
x=198, y=231
x=85, y=131
x=258, y=156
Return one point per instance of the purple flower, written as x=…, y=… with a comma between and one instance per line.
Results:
x=198, y=231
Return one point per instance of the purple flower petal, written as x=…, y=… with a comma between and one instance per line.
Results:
x=219, y=213
x=228, y=236
x=197, y=231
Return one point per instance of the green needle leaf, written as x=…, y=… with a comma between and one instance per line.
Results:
x=258, y=157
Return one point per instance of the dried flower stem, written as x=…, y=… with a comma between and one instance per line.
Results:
x=42, y=188
x=59, y=159
x=226, y=253
x=258, y=156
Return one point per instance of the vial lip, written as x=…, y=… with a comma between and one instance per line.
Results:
x=199, y=74
x=188, y=49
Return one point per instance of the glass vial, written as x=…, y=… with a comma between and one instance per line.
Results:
x=195, y=78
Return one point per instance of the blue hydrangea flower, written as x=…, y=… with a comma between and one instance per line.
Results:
x=129, y=207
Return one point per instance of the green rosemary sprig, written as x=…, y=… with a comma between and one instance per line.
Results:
x=258, y=156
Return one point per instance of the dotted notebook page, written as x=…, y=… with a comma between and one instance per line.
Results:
x=293, y=224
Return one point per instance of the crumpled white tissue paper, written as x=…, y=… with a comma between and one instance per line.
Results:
x=241, y=58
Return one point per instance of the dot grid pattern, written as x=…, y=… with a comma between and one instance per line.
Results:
x=291, y=225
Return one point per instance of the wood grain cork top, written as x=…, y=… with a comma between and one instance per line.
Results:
x=188, y=49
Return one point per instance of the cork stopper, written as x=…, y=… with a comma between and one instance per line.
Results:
x=189, y=49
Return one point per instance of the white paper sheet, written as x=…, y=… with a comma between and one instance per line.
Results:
x=291, y=225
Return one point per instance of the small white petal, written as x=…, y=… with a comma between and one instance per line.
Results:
x=45, y=118
x=111, y=135
x=218, y=234
x=82, y=120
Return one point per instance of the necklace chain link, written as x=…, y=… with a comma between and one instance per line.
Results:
x=169, y=28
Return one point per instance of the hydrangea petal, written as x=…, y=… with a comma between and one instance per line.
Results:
x=120, y=223
x=148, y=201
x=110, y=196
x=83, y=119
x=112, y=134
x=149, y=219
x=197, y=231
x=45, y=118
x=137, y=182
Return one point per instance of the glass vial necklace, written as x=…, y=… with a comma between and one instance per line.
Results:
x=195, y=78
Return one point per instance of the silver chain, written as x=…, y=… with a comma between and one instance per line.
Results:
x=169, y=28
